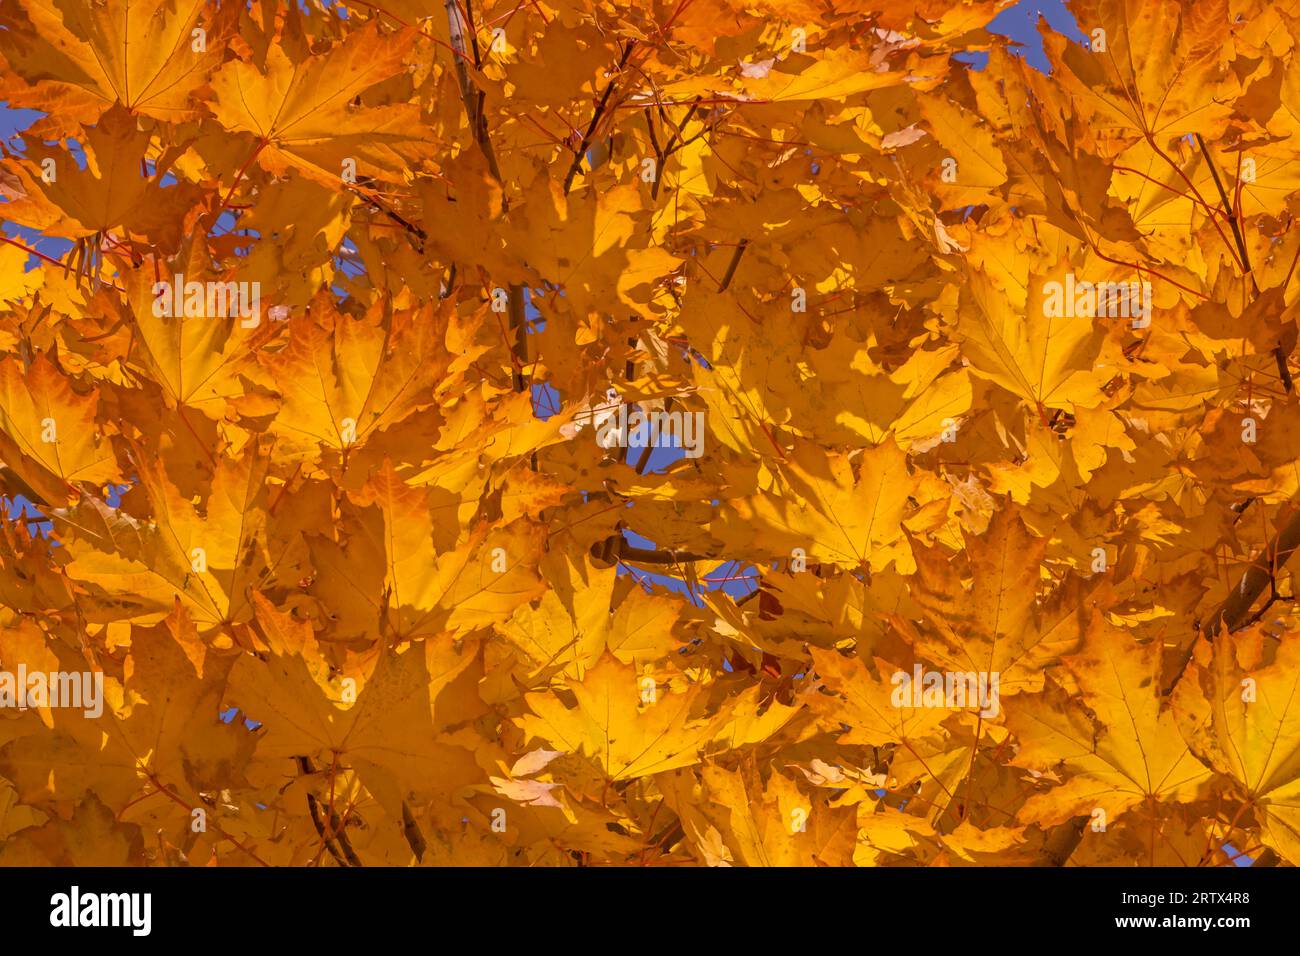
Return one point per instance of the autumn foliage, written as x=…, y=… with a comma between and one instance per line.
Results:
x=366, y=589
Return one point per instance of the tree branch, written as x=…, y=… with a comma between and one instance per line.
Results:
x=458, y=29
x=348, y=856
x=1234, y=223
x=1235, y=611
x=1062, y=841
x=414, y=835
x=615, y=548
x=670, y=148
x=735, y=263
x=576, y=166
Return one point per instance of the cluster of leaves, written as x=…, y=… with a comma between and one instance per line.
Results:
x=416, y=630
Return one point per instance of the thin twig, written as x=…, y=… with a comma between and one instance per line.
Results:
x=1234, y=611
x=735, y=262
x=601, y=106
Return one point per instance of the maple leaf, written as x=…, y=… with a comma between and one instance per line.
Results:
x=1045, y=360
x=998, y=625
x=48, y=431
x=426, y=576
x=1238, y=714
x=1129, y=88
x=79, y=60
x=611, y=724
x=113, y=192
x=197, y=361
x=1126, y=751
x=854, y=512
x=177, y=732
x=208, y=559
x=732, y=824
x=344, y=380
x=92, y=837
x=307, y=710
x=959, y=506
x=573, y=633
x=303, y=113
